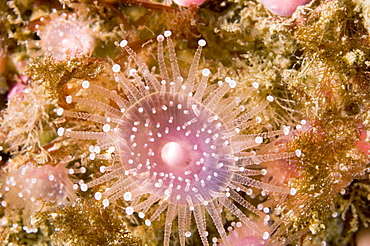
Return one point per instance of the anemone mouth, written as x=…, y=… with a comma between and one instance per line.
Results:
x=180, y=144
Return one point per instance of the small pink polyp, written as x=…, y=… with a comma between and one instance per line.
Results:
x=187, y=3
x=66, y=36
x=283, y=7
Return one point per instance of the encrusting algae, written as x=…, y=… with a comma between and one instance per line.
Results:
x=148, y=123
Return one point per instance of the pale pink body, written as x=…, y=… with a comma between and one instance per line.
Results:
x=30, y=186
x=283, y=7
x=241, y=235
x=19, y=86
x=66, y=36
x=187, y=3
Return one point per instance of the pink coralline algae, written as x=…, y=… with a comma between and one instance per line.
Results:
x=177, y=144
x=283, y=7
x=363, y=142
x=65, y=35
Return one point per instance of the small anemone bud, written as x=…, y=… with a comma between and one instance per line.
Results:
x=187, y=3
x=283, y=7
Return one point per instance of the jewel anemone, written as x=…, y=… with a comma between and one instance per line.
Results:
x=240, y=235
x=30, y=187
x=177, y=143
x=65, y=36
